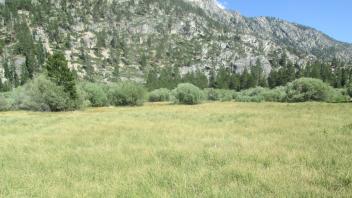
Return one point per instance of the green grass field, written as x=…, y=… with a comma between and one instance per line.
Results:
x=161, y=150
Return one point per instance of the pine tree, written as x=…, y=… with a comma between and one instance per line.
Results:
x=152, y=80
x=212, y=79
x=315, y=71
x=273, y=79
x=25, y=46
x=143, y=61
x=245, y=78
x=326, y=73
x=59, y=73
x=235, y=82
x=283, y=60
x=223, y=78
x=198, y=78
x=256, y=73
x=290, y=72
x=1, y=86
x=299, y=71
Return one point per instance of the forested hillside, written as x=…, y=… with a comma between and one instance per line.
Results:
x=162, y=43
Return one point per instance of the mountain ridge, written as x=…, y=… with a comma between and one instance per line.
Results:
x=129, y=38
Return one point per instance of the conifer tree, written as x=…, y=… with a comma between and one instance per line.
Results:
x=59, y=73
x=152, y=80
x=212, y=79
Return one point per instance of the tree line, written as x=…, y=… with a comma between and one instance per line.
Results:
x=336, y=73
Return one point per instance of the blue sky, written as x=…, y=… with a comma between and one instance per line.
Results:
x=333, y=17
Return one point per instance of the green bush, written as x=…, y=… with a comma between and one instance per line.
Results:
x=187, y=93
x=42, y=94
x=308, y=89
x=251, y=95
x=244, y=98
x=260, y=94
x=126, y=94
x=218, y=94
x=277, y=94
x=349, y=89
x=96, y=94
x=4, y=104
x=338, y=95
x=159, y=95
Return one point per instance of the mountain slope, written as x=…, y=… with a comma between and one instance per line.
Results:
x=106, y=40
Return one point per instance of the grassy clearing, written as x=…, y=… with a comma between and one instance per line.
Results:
x=160, y=150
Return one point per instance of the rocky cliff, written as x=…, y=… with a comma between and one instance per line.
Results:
x=106, y=40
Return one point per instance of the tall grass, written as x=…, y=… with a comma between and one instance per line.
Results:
x=209, y=150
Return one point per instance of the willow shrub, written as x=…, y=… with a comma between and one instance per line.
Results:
x=126, y=94
x=159, y=95
x=187, y=93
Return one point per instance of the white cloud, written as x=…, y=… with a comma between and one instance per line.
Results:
x=220, y=5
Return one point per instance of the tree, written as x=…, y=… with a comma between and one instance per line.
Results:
x=152, y=80
x=212, y=79
x=201, y=80
x=1, y=86
x=235, y=82
x=283, y=60
x=198, y=78
x=349, y=89
x=273, y=79
x=326, y=73
x=25, y=46
x=299, y=72
x=223, y=78
x=59, y=73
x=143, y=61
x=245, y=78
x=257, y=73
x=169, y=77
x=290, y=72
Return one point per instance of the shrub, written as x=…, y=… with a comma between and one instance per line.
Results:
x=277, y=94
x=251, y=95
x=95, y=94
x=187, y=93
x=308, y=89
x=244, y=98
x=4, y=104
x=126, y=94
x=349, y=89
x=42, y=94
x=218, y=94
x=338, y=95
x=260, y=94
x=211, y=94
x=159, y=95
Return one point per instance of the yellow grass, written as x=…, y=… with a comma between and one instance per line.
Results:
x=161, y=150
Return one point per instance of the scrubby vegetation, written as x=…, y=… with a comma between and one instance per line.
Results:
x=4, y=104
x=159, y=95
x=260, y=94
x=42, y=94
x=349, y=89
x=187, y=93
x=308, y=89
x=126, y=94
x=219, y=94
x=57, y=90
x=96, y=94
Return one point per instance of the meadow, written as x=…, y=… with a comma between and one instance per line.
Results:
x=161, y=150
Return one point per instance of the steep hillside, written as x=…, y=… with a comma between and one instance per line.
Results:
x=107, y=40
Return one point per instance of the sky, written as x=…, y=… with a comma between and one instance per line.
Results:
x=333, y=17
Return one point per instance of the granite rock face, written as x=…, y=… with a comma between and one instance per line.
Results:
x=135, y=36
